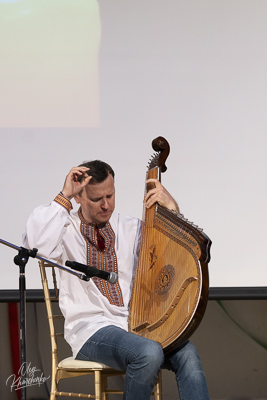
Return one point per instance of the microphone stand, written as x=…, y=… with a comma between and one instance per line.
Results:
x=21, y=259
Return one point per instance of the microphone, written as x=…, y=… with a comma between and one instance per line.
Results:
x=111, y=277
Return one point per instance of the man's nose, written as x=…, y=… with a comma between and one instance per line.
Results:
x=104, y=203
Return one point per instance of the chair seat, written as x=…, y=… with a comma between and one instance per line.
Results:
x=72, y=363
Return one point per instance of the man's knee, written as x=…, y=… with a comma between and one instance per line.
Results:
x=151, y=353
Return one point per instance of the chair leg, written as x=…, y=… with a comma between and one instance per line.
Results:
x=158, y=387
x=98, y=385
x=53, y=388
x=52, y=395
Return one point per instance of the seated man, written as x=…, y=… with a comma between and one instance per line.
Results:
x=96, y=312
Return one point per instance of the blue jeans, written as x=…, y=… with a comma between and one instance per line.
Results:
x=142, y=359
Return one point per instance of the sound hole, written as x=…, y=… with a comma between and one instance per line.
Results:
x=164, y=279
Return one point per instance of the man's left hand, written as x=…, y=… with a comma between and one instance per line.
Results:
x=159, y=195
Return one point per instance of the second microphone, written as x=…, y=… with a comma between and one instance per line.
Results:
x=111, y=277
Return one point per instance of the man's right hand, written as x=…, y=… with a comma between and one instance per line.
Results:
x=72, y=185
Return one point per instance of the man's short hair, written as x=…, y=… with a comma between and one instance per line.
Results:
x=99, y=170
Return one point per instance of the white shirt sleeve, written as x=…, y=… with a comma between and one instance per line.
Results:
x=45, y=229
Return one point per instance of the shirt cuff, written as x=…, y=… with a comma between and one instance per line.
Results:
x=63, y=201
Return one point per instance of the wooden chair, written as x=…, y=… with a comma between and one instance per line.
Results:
x=69, y=367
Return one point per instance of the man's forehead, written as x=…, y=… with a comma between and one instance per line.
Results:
x=101, y=188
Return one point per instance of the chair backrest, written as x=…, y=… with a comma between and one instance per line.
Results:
x=49, y=297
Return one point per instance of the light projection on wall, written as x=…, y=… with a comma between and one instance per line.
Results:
x=49, y=63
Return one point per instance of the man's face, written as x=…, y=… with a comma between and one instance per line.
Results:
x=98, y=201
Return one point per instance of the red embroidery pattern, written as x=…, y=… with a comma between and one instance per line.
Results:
x=63, y=201
x=105, y=260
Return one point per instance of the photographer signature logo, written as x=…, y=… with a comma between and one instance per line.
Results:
x=27, y=376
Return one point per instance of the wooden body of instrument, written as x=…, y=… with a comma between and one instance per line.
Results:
x=171, y=284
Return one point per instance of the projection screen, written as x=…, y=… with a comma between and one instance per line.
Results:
x=87, y=79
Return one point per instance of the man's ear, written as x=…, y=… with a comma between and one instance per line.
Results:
x=77, y=198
